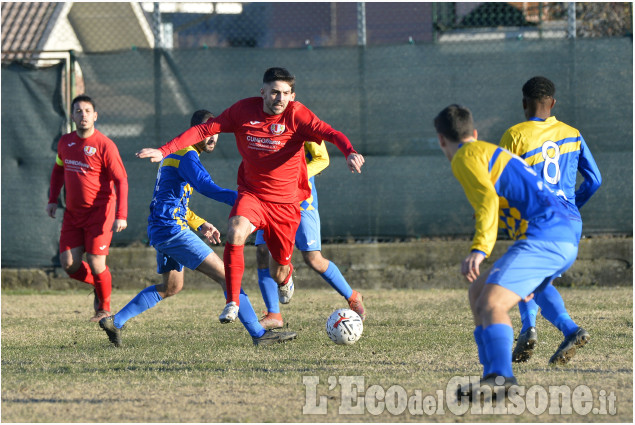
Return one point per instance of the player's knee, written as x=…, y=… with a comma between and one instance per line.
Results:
x=70, y=268
x=315, y=260
x=172, y=291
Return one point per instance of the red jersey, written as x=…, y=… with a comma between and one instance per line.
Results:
x=89, y=168
x=272, y=146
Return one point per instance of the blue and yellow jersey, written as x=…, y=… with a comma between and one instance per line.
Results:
x=505, y=192
x=179, y=175
x=556, y=151
x=317, y=159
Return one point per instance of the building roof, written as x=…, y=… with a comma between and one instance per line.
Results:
x=24, y=25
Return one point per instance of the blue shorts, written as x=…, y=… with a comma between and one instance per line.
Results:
x=183, y=249
x=307, y=237
x=528, y=264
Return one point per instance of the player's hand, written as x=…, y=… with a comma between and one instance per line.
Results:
x=155, y=155
x=355, y=162
x=529, y=297
x=210, y=232
x=50, y=210
x=470, y=266
x=119, y=225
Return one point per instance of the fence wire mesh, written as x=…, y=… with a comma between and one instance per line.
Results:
x=379, y=72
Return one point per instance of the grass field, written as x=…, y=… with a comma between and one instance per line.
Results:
x=179, y=364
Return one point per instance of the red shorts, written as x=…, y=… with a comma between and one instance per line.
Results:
x=278, y=221
x=90, y=228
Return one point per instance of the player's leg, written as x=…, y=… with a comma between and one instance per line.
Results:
x=172, y=275
x=528, y=336
x=268, y=287
x=97, y=238
x=213, y=267
x=474, y=292
x=103, y=284
x=498, y=335
x=514, y=277
x=329, y=271
x=234, y=264
x=73, y=264
x=308, y=239
x=279, y=232
x=245, y=217
x=553, y=309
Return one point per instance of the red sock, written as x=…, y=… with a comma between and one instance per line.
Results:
x=84, y=274
x=234, y=260
x=103, y=288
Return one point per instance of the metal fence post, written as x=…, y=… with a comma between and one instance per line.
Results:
x=156, y=31
x=361, y=23
x=571, y=28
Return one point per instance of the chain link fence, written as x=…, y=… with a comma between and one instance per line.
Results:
x=379, y=72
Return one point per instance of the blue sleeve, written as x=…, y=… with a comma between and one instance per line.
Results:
x=591, y=174
x=197, y=176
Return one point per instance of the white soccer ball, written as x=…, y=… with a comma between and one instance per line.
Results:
x=344, y=326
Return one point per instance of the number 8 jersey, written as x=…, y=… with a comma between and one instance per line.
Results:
x=556, y=151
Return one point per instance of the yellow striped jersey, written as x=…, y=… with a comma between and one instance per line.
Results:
x=317, y=159
x=505, y=192
x=556, y=151
x=178, y=176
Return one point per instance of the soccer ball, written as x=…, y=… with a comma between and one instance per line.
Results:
x=344, y=326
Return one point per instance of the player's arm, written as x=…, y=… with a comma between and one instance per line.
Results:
x=118, y=174
x=191, y=169
x=199, y=224
x=319, y=158
x=57, y=181
x=590, y=173
x=482, y=195
x=193, y=135
x=316, y=129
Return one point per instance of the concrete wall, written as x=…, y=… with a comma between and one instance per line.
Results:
x=602, y=261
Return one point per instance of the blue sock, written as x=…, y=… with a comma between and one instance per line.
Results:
x=528, y=312
x=334, y=278
x=498, y=339
x=553, y=309
x=482, y=355
x=269, y=290
x=143, y=301
x=247, y=316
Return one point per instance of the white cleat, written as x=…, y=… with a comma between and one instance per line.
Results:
x=229, y=314
x=285, y=292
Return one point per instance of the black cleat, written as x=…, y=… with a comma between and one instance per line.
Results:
x=525, y=345
x=271, y=337
x=114, y=334
x=488, y=388
x=567, y=349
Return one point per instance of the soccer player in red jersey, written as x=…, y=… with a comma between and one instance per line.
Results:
x=88, y=165
x=272, y=179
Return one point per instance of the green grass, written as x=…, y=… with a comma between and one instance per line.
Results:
x=179, y=364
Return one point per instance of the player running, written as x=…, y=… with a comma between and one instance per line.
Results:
x=308, y=240
x=502, y=188
x=272, y=178
x=178, y=246
x=88, y=165
x=557, y=152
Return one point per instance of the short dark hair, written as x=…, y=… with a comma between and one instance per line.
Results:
x=83, y=98
x=455, y=122
x=200, y=116
x=279, y=74
x=539, y=88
